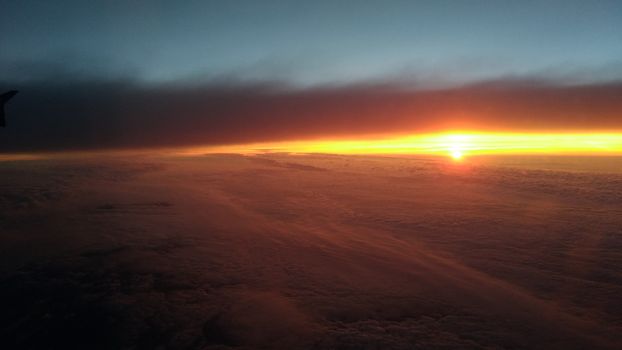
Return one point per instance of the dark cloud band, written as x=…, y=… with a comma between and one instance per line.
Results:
x=99, y=114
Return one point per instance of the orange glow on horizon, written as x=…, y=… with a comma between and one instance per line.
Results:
x=454, y=144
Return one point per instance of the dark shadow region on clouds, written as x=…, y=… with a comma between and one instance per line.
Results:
x=85, y=113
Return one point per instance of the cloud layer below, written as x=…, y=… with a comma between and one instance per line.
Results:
x=315, y=252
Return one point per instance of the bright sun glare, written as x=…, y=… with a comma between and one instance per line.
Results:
x=457, y=144
x=453, y=144
x=456, y=154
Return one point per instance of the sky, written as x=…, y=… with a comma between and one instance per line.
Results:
x=107, y=74
x=315, y=42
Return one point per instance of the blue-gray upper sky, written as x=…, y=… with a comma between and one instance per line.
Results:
x=311, y=42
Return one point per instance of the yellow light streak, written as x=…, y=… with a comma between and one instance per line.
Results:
x=454, y=144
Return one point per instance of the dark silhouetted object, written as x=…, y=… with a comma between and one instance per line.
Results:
x=3, y=99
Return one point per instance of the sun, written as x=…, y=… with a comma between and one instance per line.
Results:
x=456, y=151
x=456, y=154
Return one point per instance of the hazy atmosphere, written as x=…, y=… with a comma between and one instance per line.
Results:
x=311, y=175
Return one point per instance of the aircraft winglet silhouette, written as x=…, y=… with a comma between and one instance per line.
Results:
x=3, y=99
